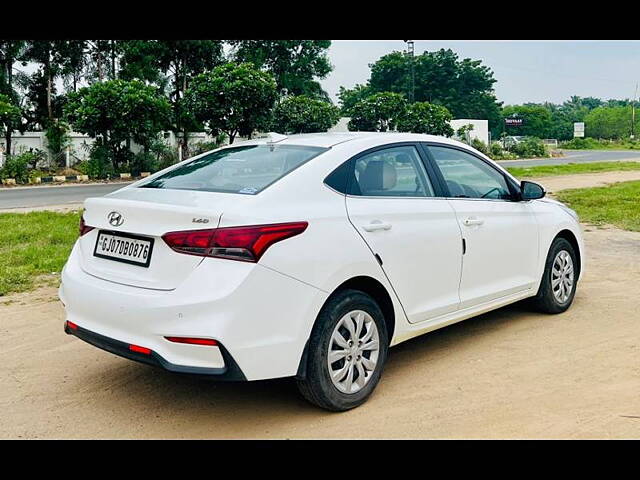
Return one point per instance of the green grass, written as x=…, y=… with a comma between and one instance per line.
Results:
x=33, y=244
x=572, y=168
x=617, y=204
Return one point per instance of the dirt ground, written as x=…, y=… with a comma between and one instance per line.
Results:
x=510, y=373
x=585, y=180
x=506, y=374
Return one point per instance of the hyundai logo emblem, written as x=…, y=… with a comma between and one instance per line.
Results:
x=115, y=219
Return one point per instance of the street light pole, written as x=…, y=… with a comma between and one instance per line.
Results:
x=411, y=53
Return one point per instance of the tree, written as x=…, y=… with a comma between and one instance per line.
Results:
x=174, y=63
x=379, y=112
x=610, y=122
x=72, y=59
x=10, y=115
x=295, y=64
x=102, y=59
x=38, y=100
x=115, y=111
x=10, y=52
x=348, y=97
x=423, y=117
x=45, y=53
x=464, y=87
x=302, y=114
x=233, y=99
x=537, y=120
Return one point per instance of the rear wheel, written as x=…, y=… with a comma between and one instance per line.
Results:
x=346, y=352
x=558, y=286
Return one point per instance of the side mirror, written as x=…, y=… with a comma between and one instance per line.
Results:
x=531, y=190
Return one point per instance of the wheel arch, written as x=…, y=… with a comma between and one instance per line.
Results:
x=570, y=237
x=371, y=287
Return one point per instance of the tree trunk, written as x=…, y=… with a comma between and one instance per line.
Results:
x=47, y=72
x=113, y=60
x=185, y=144
x=7, y=135
x=7, y=141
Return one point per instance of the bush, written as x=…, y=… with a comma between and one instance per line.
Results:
x=99, y=164
x=57, y=137
x=480, y=145
x=581, y=143
x=530, y=147
x=202, y=147
x=17, y=166
x=163, y=156
x=496, y=152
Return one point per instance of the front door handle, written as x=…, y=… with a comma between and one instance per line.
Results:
x=377, y=225
x=469, y=221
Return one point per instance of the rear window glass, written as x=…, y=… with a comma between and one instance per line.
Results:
x=245, y=170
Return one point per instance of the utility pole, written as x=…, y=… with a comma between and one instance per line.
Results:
x=411, y=53
x=633, y=113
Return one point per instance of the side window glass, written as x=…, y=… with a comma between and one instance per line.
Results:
x=392, y=172
x=467, y=176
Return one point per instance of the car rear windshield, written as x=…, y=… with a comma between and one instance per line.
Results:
x=245, y=170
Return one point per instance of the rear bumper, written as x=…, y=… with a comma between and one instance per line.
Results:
x=231, y=371
x=263, y=318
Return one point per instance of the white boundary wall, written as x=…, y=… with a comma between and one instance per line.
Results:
x=80, y=143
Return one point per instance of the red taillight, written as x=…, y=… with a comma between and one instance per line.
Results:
x=192, y=341
x=235, y=243
x=84, y=228
x=72, y=325
x=139, y=349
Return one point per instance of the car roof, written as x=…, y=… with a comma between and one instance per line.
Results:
x=328, y=140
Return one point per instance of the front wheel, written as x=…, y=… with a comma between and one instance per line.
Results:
x=346, y=352
x=558, y=286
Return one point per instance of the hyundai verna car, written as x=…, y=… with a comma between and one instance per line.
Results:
x=308, y=256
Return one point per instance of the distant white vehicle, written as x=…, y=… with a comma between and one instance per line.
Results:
x=308, y=256
x=512, y=140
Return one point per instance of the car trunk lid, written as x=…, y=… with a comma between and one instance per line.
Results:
x=148, y=214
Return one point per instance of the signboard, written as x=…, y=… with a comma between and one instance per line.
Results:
x=578, y=129
x=513, y=122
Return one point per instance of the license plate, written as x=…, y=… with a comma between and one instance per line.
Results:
x=124, y=247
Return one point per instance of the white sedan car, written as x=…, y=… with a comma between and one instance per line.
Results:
x=309, y=256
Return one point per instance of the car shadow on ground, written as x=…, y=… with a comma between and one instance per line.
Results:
x=197, y=397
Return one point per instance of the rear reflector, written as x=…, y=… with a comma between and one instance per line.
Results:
x=72, y=325
x=139, y=349
x=84, y=228
x=247, y=244
x=192, y=341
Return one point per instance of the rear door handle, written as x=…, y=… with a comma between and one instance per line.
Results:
x=469, y=221
x=377, y=225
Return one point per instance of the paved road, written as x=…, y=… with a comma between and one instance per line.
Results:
x=578, y=156
x=60, y=195
x=55, y=195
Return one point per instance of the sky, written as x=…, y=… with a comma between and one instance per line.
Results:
x=525, y=70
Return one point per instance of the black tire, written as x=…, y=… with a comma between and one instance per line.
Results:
x=316, y=385
x=545, y=301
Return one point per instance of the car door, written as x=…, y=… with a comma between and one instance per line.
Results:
x=500, y=233
x=392, y=204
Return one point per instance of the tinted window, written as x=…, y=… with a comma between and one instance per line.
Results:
x=467, y=176
x=392, y=172
x=246, y=170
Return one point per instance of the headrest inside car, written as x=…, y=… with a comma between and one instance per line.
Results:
x=379, y=175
